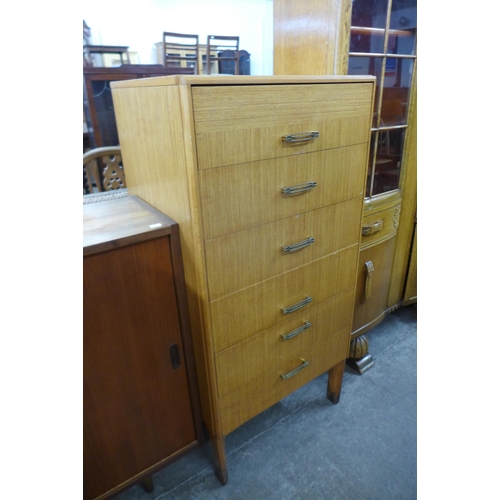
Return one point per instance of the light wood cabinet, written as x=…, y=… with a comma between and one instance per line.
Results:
x=325, y=37
x=141, y=405
x=265, y=176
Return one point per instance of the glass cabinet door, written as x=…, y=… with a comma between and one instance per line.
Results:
x=383, y=44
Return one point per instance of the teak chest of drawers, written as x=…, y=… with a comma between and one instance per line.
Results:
x=266, y=178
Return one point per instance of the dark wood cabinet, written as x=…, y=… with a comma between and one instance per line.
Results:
x=140, y=394
x=97, y=100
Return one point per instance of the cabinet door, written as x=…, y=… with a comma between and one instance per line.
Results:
x=374, y=274
x=137, y=410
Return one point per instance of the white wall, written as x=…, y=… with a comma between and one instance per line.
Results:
x=140, y=24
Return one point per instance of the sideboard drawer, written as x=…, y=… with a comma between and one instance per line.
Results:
x=247, y=257
x=237, y=124
x=380, y=226
x=238, y=316
x=249, y=194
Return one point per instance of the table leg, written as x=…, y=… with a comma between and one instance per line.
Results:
x=334, y=386
x=219, y=454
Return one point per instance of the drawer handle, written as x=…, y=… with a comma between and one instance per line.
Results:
x=372, y=228
x=296, y=306
x=300, y=137
x=298, y=246
x=305, y=326
x=369, y=270
x=299, y=188
x=305, y=363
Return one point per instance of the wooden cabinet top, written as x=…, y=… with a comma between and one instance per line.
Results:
x=122, y=221
x=239, y=80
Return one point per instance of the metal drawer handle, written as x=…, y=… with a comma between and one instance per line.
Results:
x=299, y=188
x=300, y=137
x=372, y=228
x=296, y=306
x=305, y=363
x=305, y=326
x=369, y=270
x=298, y=246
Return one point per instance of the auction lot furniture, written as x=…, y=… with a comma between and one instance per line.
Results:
x=140, y=395
x=266, y=178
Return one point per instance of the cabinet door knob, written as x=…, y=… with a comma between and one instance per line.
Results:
x=369, y=270
x=175, y=358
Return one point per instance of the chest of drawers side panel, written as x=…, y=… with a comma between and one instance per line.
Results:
x=155, y=130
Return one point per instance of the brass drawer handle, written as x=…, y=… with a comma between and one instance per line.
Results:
x=372, y=228
x=296, y=306
x=305, y=326
x=300, y=137
x=305, y=363
x=299, y=188
x=369, y=270
x=298, y=246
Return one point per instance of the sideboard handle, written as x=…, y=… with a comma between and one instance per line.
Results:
x=300, y=136
x=372, y=228
x=298, y=246
x=305, y=363
x=299, y=188
x=296, y=306
x=295, y=332
x=369, y=270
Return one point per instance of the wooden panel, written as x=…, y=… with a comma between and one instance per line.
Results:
x=411, y=282
x=242, y=314
x=128, y=376
x=240, y=124
x=311, y=38
x=119, y=222
x=259, y=389
x=245, y=195
x=247, y=257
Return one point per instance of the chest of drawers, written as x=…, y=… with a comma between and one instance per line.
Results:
x=266, y=178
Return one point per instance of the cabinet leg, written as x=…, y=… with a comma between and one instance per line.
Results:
x=335, y=382
x=359, y=357
x=219, y=454
x=148, y=483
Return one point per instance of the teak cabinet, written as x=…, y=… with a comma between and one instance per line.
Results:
x=141, y=405
x=265, y=176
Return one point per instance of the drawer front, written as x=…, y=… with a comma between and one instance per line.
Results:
x=249, y=194
x=380, y=226
x=237, y=124
x=249, y=375
x=238, y=316
x=247, y=257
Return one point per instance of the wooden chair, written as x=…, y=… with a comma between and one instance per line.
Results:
x=181, y=50
x=227, y=50
x=103, y=170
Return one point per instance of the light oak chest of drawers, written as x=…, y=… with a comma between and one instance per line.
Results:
x=266, y=178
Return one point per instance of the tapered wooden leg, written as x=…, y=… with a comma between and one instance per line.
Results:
x=335, y=382
x=219, y=454
x=148, y=483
